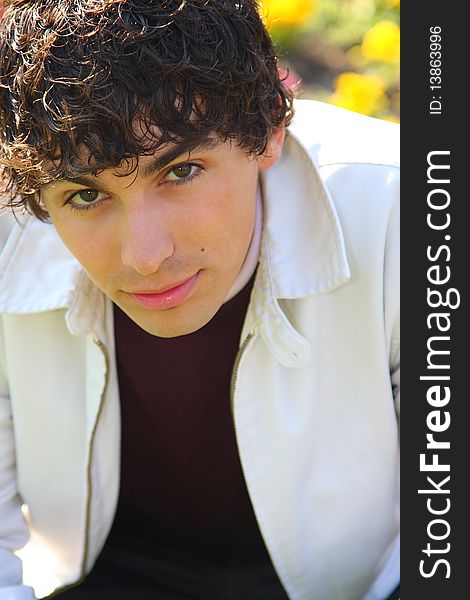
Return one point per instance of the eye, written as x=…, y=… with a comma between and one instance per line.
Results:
x=87, y=198
x=183, y=172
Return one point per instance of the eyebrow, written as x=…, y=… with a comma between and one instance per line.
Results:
x=177, y=149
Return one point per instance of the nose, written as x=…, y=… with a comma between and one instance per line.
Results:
x=146, y=243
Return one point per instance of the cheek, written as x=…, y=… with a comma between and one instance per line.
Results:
x=241, y=208
x=92, y=248
x=218, y=226
x=232, y=205
x=231, y=224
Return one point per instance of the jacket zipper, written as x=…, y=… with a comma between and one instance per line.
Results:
x=103, y=348
x=233, y=384
x=82, y=577
x=233, y=381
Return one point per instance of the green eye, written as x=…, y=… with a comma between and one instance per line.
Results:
x=87, y=195
x=85, y=199
x=182, y=172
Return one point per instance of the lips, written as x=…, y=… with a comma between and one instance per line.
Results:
x=167, y=297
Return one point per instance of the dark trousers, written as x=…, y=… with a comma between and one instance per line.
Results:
x=123, y=575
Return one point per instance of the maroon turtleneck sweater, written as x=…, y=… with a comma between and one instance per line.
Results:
x=181, y=478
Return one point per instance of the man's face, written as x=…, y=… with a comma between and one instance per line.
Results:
x=165, y=243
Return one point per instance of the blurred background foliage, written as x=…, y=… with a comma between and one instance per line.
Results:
x=346, y=52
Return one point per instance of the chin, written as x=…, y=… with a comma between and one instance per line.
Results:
x=176, y=328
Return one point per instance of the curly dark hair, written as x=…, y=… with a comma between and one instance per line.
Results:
x=76, y=76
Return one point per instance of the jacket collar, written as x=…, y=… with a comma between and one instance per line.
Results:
x=303, y=243
x=302, y=252
x=39, y=274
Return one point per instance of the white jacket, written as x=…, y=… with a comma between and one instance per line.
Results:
x=313, y=386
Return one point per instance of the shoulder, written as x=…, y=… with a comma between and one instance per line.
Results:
x=35, y=259
x=334, y=136
x=7, y=222
x=356, y=158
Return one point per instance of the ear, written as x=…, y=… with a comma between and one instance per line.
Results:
x=273, y=149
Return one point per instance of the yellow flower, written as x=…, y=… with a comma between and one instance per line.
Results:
x=382, y=42
x=356, y=57
x=360, y=93
x=286, y=13
x=393, y=3
x=390, y=118
x=395, y=102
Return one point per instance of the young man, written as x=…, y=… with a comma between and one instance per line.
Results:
x=199, y=315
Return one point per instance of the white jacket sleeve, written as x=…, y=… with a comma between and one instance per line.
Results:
x=13, y=529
